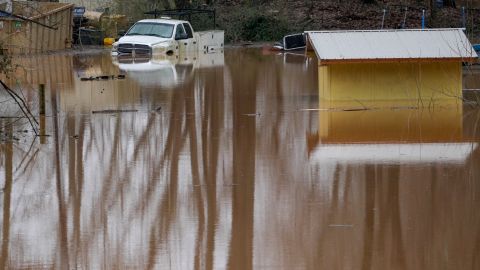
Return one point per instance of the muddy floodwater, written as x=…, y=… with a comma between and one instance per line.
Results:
x=228, y=161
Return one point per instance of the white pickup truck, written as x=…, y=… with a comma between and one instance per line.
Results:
x=166, y=36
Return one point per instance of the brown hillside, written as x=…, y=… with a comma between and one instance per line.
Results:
x=269, y=20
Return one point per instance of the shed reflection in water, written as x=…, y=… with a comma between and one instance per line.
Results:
x=411, y=196
x=225, y=170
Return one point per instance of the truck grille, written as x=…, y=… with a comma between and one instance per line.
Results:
x=128, y=59
x=131, y=48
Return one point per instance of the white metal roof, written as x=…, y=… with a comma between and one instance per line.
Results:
x=397, y=45
x=394, y=153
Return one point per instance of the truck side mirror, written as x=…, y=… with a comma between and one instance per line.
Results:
x=180, y=36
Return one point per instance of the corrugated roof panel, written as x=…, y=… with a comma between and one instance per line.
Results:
x=391, y=45
x=394, y=50
x=361, y=46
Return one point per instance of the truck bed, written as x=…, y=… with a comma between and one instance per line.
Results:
x=210, y=40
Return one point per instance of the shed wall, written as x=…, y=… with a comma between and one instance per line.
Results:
x=381, y=84
x=22, y=37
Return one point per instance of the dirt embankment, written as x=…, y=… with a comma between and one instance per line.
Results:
x=269, y=20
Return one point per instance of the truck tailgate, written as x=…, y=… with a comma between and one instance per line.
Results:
x=210, y=40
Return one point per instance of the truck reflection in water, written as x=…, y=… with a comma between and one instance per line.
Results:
x=167, y=71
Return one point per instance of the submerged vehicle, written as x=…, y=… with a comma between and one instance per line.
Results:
x=166, y=36
x=291, y=43
x=476, y=47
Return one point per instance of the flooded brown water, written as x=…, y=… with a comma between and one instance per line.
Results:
x=226, y=162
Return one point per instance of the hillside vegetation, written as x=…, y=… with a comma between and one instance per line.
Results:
x=267, y=20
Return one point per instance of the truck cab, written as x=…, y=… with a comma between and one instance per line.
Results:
x=166, y=36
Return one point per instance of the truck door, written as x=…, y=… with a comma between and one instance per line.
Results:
x=184, y=37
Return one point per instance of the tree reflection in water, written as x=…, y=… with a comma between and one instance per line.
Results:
x=222, y=177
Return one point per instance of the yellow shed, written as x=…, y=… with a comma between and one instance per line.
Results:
x=385, y=68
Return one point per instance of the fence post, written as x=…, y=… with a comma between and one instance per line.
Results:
x=41, y=108
x=423, y=18
x=41, y=99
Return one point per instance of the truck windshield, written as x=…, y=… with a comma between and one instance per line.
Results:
x=152, y=29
